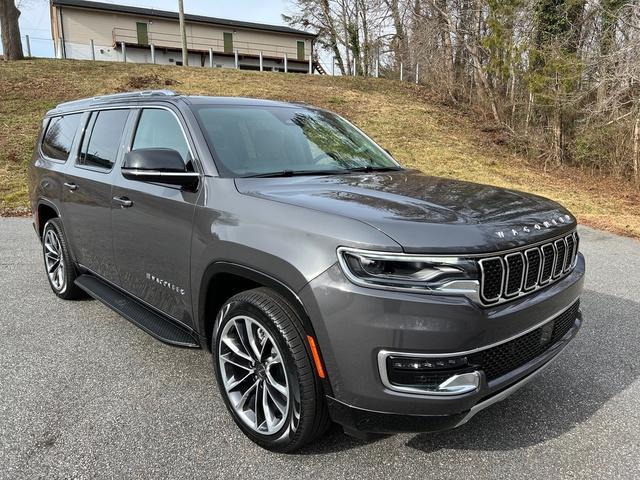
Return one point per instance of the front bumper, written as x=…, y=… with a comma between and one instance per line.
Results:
x=354, y=324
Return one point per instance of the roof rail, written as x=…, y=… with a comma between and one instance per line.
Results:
x=115, y=96
x=140, y=93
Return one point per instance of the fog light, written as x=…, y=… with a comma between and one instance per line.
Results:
x=408, y=363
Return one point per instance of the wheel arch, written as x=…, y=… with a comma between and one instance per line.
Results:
x=223, y=279
x=45, y=211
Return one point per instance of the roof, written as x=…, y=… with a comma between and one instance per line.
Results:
x=150, y=12
x=163, y=95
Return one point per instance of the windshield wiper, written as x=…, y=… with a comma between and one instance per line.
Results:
x=294, y=173
x=370, y=168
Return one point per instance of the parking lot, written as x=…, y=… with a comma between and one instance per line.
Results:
x=84, y=393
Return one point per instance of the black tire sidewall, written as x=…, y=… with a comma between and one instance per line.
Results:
x=288, y=433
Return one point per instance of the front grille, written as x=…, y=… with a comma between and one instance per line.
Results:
x=508, y=356
x=511, y=275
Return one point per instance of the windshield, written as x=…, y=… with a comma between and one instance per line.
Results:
x=263, y=141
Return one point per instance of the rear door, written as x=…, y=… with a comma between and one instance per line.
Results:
x=152, y=234
x=87, y=191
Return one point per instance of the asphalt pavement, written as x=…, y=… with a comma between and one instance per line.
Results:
x=86, y=394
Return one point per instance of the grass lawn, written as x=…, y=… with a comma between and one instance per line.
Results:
x=400, y=116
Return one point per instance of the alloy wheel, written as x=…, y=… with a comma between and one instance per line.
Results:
x=254, y=375
x=54, y=260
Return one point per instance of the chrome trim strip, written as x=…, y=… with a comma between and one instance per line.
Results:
x=154, y=173
x=486, y=347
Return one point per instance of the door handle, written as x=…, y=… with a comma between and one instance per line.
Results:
x=123, y=201
x=71, y=186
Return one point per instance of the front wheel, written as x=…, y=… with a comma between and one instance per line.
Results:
x=265, y=374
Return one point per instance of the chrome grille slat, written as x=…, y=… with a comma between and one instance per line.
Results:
x=533, y=268
x=511, y=275
x=492, y=279
x=560, y=248
x=514, y=276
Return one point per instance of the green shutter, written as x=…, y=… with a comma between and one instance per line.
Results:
x=143, y=36
x=300, y=50
x=228, y=42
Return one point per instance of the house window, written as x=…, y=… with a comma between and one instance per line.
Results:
x=228, y=42
x=300, y=50
x=143, y=35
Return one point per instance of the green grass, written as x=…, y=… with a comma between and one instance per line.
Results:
x=402, y=117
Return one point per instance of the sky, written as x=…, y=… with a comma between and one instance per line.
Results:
x=35, y=22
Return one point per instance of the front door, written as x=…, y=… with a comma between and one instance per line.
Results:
x=152, y=233
x=87, y=191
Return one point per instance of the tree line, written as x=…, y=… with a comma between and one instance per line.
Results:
x=559, y=78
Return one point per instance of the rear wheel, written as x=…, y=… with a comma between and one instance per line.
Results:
x=265, y=374
x=59, y=266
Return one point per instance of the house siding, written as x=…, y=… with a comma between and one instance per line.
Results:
x=108, y=30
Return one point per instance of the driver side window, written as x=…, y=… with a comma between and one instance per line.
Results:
x=159, y=128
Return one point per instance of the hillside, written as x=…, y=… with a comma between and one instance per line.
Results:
x=399, y=116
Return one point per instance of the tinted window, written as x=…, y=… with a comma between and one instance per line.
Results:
x=58, y=138
x=160, y=129
x=102, y=138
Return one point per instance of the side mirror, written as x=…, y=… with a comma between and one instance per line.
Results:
x=158, y=165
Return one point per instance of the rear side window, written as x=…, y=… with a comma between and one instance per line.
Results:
x=102, y=139
x=159, y=129
x=59, y=136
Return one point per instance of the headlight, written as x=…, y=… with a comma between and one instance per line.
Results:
x=396, y=271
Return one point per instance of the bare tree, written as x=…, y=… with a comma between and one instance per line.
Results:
x=10, y=27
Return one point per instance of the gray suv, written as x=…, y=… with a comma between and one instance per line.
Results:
x=330, y=283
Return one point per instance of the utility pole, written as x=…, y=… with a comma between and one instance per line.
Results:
x=183, y=34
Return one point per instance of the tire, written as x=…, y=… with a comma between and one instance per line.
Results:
x=59, y=265
x=253, y=323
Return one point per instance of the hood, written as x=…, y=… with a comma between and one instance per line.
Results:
x=424, y=214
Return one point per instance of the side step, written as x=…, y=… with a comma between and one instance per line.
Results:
x=155, y=324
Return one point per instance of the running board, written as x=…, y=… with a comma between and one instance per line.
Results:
x=155, y=324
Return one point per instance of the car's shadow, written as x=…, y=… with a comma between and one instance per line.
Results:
x=601, y=362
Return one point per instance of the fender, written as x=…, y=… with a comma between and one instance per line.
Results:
x=255, y=276
x=264, y=280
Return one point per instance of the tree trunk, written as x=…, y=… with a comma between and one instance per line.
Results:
x=366, y=42
x=445, y=38
x=401, y=41
x=333, y=34
x=10, y=27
